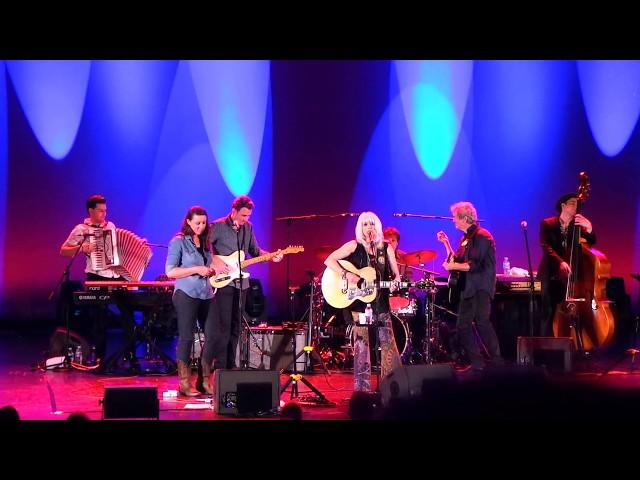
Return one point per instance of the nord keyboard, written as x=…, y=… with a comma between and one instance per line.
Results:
x=150, y=285
x=137, y=294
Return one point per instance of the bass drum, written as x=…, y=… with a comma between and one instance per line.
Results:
x=401, y=334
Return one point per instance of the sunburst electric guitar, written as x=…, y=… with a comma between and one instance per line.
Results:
x=224, y=279
x=339, y=293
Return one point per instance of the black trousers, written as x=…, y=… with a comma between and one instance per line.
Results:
x=478, y=308
x=553, y=293
x=227, y=325
x=189, y=311
x=100, y=319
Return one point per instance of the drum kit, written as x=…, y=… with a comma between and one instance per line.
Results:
x=331, y=331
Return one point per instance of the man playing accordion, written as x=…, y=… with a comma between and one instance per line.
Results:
x=96, y=238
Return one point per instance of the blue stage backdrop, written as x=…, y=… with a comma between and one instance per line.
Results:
x=309, y=137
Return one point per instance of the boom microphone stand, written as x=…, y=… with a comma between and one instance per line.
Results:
x=64, y=278
x=289, y=221
x=244, y=344
x=308, y=350
x=246, y=333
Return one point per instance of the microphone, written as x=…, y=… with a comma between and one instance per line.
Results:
x=523, y=224
x=399, y=214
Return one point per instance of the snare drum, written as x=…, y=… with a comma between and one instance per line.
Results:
x=404, y=304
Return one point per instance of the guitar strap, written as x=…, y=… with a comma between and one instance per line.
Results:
x=465, y=242
x=380, y=262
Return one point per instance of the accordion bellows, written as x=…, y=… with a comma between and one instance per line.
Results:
x=125, y=253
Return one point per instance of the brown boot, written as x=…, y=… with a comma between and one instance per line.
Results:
x=206, y=380
x=184, y=373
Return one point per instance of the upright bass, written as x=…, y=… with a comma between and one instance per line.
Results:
x=585, y=314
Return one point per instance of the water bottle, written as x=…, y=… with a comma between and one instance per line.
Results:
x=506, y=266
x=70, y=354
x=78, y=356
x=368, y=314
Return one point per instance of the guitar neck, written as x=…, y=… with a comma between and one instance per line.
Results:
x=447, y=245
x=262, y=258
x=389, y=283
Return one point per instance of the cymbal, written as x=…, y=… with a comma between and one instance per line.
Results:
x=419, y=256
x=324, y=251
x=423, y=270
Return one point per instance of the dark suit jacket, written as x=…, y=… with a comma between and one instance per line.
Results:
x=553, y=251
x=480, y=252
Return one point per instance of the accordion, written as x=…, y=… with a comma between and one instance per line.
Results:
x=122, y=251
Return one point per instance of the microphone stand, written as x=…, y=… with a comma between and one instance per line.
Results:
x=244, y=347
x=531, y=279
x=289, y=221
x=428, y=217
x=64, y=278
x=376, y=325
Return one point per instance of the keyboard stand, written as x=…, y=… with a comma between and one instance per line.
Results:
x=142, y=335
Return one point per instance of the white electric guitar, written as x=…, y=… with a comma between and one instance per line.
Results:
x=223, y=279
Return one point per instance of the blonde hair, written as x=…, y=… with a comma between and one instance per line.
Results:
x=465, y=210
x=371, y=217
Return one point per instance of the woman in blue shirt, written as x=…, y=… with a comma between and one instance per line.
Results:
x=191, y=262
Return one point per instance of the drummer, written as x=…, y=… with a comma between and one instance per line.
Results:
x=392, y=235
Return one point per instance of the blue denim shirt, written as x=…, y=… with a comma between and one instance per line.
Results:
x=183, y=253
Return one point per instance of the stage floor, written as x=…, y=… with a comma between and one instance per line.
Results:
x=55, y=394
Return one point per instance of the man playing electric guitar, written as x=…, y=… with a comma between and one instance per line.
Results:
x=456, y=278
x=369, y=249
x=231, y=234
x=477, y=251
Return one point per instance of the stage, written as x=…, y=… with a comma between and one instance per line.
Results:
x=56, y=394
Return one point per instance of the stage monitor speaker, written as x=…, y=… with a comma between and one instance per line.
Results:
x=247, y=392
x=58, y=342
x=413, y=380
x=131, y=402
x=553, y=353
x=510, y=317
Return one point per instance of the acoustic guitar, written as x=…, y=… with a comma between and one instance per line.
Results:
x=340, y=293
